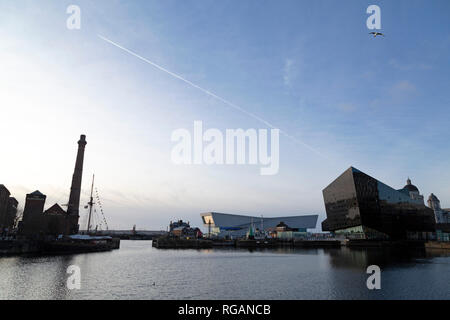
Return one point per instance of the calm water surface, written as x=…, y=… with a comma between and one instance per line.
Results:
x=138, y=271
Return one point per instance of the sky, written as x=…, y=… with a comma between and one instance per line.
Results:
x=309, y=68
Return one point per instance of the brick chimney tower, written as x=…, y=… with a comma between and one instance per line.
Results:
x=75, y=190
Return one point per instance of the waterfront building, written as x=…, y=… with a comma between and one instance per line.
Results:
x=35, y=222
x=8, y=209
x=11, y=213
x=54, y=221
x=178, y=224
x=283, y=231
x=223, y=225
x=441, y=215
x=31, y=221
x=181, y=229
x=4, y=196
x=359, y=206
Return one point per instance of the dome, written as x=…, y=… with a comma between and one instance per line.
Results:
x=410, y=187
x=281, y=224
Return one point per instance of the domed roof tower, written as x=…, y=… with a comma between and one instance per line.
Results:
x=410, y=187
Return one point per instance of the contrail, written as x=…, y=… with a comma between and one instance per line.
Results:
x=212, y=95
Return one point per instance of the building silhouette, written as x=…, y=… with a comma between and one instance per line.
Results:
x=32, y=221
x=54, y=221
x=75, y=189
x=8, y=210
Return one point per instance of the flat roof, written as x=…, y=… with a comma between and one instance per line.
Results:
x=227, y=220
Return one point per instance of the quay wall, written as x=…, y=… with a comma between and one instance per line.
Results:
x=170, y=243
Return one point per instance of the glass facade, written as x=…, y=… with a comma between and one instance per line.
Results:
x=355, y=199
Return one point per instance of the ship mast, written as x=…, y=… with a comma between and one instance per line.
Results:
x=91, y=204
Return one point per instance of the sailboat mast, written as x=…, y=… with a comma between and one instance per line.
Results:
x=91, y=204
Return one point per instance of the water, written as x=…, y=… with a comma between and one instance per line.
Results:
x=138, y=271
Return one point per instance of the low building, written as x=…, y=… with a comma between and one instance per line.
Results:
x=37, y=222
x=181, y=229
x=224, y=225
x=359, y=206
x=283, y=231
x=56, y=220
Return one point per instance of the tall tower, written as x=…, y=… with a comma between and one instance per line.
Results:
x=75, y=190
x=435, y=204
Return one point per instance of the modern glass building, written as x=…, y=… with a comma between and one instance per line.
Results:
x=224, y=224
x=359, y=206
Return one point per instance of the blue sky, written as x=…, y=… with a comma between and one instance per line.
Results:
x=308, y=67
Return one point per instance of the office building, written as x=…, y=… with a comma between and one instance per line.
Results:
x=359, y=206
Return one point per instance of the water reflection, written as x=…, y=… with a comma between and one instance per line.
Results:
x=34, y=277
x=138, y=271
x=357, y=258
x=361, y=258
